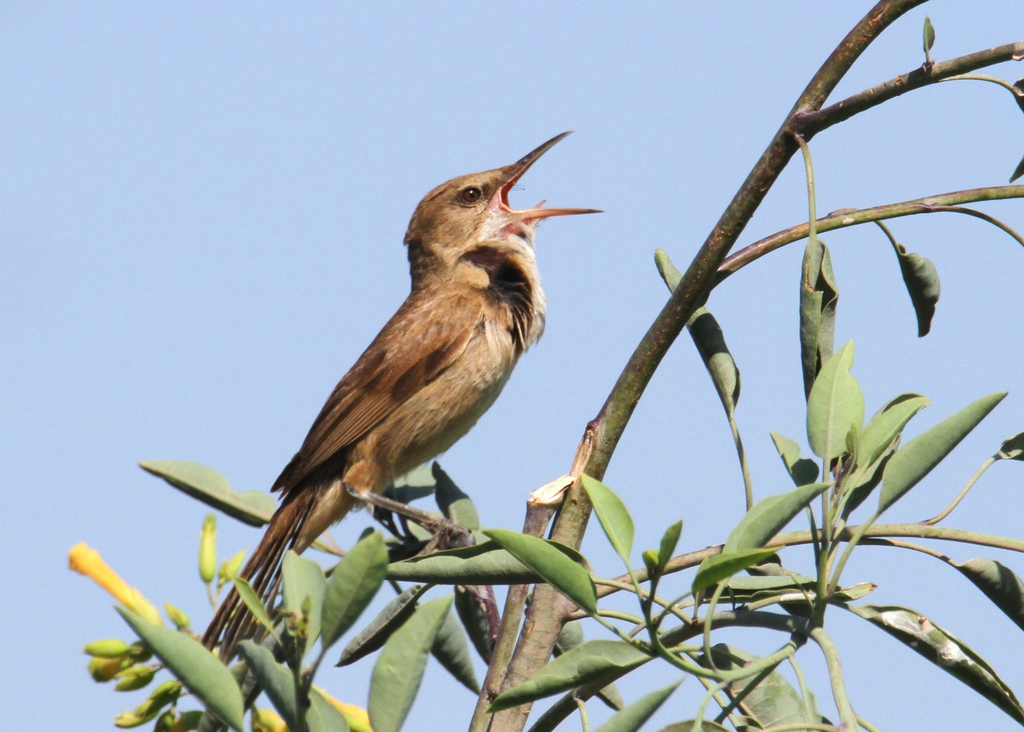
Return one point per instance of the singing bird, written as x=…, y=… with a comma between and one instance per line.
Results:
x=475, y=307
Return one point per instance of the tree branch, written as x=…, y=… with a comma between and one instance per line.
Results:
x=810, y=123
x=796, y=538
x=940, y=203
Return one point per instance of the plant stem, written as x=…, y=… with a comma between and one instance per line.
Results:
x=813, y=122
x=877, y=531
x=835, y=673
x=584, y=720
x=962, y=494
x=842, y=218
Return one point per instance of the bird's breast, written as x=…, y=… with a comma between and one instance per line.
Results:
x=444, y=410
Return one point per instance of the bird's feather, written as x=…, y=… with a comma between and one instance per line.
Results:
x=410, y=352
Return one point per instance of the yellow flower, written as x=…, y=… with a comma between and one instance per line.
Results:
x=87, y=561
x=357, y=718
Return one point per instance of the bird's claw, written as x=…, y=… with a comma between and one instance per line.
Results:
x=446, y=533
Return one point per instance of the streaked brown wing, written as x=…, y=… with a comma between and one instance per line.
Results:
x=413, y=349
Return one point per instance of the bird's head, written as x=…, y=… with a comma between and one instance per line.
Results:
x=471, y=214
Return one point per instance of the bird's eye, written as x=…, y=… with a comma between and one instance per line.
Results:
x=471, y=194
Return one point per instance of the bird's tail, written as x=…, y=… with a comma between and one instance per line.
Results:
x=262, y=571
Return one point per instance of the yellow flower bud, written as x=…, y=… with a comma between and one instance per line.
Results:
x=87, y=561
x=104, y=669
x=163, y=695
x=229, y=569
x=177, y=616
x=165, y=722
x=108, y=648
x=134, y=677
x=208, y=549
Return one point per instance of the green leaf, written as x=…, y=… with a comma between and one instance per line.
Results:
x=454, y=504
x=708, y=338
x=252, y=601
x=669, y=541
x=207, y=485
x=1018, y=94
x=474, y=620
x=944, y=650
x=636, y=714
x=999, y=583
x=278, y=684
x=769, y=516
x=613, y=515
x=668, y=271
x=716, y=568
x=1018, y=171
x=819, y=296
x=922, y=281
x=304, y=578
x=773, y=701
x=353, y=585
x=198, y=669
x=399, y=669
x=801, y=470
x=878, y=442
x=887, y=425
x=721, y=367
x=854, y=592
x=322, y=716
x=596, y=661
x=483, y=564
x=451, y=649
x=276, y=681
x=834, y=406
x=414, y=485
x=552, y=564
x=916, y=459
x=571, y=636
x=1013, y=448
x=380, y=629
x=928, y=35
x=691, y=724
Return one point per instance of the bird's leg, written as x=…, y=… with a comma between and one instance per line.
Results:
x=433, y=523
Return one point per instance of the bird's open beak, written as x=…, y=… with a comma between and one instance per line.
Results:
x=515, y=172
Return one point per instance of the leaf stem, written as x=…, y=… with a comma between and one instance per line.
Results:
x=985, y=77
x=962, y=494
x=584, y=719
x=816, y=121
x=835, y=673
x=877, y=531
x=939, y=203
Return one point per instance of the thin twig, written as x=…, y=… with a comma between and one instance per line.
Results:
x=878, y=531
x=940, y=203
x=814, y=122
x=962, y=494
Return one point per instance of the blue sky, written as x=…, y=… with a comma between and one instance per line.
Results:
x=202, y=214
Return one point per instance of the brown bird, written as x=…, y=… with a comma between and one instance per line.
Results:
x=476, y=305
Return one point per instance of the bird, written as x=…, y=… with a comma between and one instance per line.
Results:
x=475, y=306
